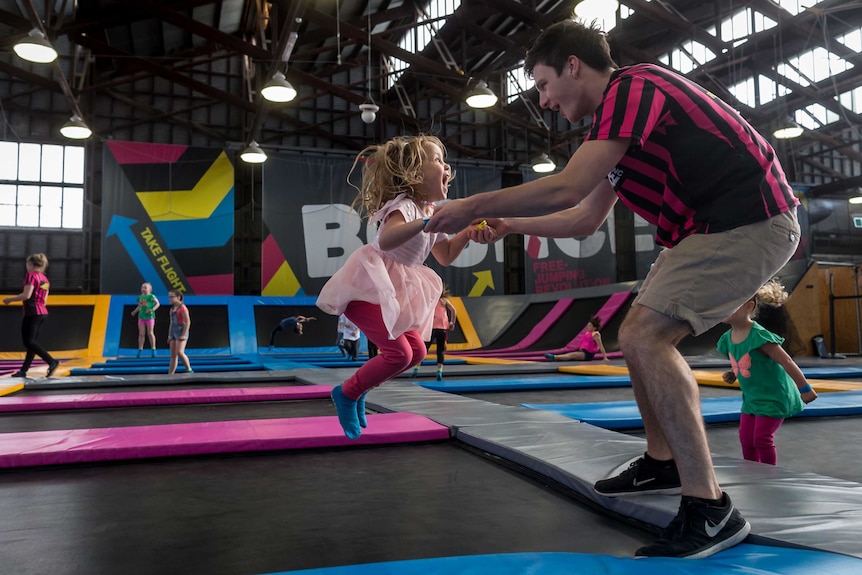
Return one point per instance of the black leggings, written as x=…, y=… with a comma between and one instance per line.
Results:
x=438, y=336
x=30, y=326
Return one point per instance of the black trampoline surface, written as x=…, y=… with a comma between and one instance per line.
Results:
x=266, y=513
x=161, y=415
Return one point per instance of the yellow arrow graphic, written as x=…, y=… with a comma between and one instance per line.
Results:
x=484, y=280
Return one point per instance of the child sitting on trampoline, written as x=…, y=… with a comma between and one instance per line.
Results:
x=773, y=387
x=383, y=287
x=588, y=347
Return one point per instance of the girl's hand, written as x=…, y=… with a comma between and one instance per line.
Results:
x=728, y=377
x=488, y=231
x=808, y=396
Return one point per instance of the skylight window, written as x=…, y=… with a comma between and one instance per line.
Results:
x=852, y=40
x=796, y=6
x=813, y=66
x=418, y=38
x=815, y=116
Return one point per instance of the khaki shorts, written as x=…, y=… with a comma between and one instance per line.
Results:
x=706, y=277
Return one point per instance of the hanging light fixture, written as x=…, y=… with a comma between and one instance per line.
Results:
x=278, y=89
x=368, y=109
x=369, y=112
x=253, y=154
x=481, y=96
x=788, y=130
x=544, y=164
x=36, y=48
x=76, y=129
x=589, y=10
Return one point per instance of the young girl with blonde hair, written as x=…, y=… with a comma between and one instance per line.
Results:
x=773, y=387
x=383, y=287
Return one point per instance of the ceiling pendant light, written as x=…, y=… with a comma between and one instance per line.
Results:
x=543, y=164
x=36, y=48
x=76, y=129
x=278, y=89
x=589, y=10
x=788, y=130
x=481, y=96
x=253, y=154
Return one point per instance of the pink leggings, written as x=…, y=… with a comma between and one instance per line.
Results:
x=395, y=356
x=757, y=435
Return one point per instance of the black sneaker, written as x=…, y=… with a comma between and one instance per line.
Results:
x=699, y=529
x=19, y=374
x=52, y=368
x=644, y=476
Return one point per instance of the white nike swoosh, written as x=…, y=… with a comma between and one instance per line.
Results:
x=637, y=483
x=711, y=530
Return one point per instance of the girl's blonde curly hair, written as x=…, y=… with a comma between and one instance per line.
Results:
x=390, y=169
x=771, y=294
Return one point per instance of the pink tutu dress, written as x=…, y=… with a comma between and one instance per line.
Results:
x=397, y=280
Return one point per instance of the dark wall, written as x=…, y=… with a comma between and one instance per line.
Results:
x=67, y=328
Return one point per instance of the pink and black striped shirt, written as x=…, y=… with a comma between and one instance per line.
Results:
x=694, y=164
x=37, y=304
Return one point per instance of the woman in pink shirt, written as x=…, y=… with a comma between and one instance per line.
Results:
x=444, y=321
x=34, y=298
x=588, y=347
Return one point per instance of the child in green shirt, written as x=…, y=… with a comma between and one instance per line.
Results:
x=146, y=312
x=773, y=387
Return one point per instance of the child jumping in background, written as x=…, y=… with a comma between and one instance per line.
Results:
x=444, y=321
x=383, y=287
x=766, y=375
x=294, y=321
x=590, y=344
x=146, y=312
x=350, y=336
x=178, y=336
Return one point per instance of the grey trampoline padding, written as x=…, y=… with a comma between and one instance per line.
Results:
x=553, y=381
x=782, y=505
x=625, y=414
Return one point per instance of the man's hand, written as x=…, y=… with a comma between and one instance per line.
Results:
x=450, y=217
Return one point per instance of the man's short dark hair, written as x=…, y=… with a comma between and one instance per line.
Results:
x=569, y=38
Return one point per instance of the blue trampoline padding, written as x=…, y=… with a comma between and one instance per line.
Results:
x=558, y=381
x=743, y=559
x=625, y=414
x=831, y=372
x=163, y=361
x=197, y=367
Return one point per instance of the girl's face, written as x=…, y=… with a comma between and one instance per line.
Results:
x=146, y=289
x=30, y=266
x=174, y=299
x=435, y=174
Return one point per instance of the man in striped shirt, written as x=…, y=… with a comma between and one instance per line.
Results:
x=689, y=164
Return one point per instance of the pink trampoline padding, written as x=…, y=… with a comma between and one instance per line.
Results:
x=171, y=397
x=115, y=443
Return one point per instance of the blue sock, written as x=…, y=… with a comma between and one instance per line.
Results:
x=347, y=416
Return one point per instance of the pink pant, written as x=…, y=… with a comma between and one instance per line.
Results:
x=395, y=356
x=757, y=435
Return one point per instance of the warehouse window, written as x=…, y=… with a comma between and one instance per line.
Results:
x=41, y=186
